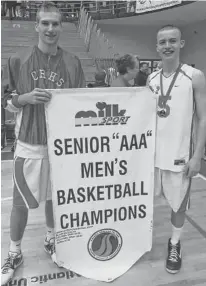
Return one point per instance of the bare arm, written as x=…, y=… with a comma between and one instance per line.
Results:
x=192, y=168
x=13, y=65
x=199, y=87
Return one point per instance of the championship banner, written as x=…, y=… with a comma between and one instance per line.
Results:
x=101, y=146
x=143, y=6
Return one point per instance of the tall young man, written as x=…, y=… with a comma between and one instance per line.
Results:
x=182, y=97
x=31, y=72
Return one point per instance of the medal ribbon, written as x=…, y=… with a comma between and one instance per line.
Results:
x=166, y=97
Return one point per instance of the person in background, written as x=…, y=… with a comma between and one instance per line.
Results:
x=127, y=67
x=11, y=6
x=18, y=8
x=3, y=8
x=141, y=78
x=111, y=74
x=157, y=66
x=100, y=80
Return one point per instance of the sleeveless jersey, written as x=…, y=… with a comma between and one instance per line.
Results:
x=174, y=132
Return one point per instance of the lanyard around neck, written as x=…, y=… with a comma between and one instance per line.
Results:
x=171, y=84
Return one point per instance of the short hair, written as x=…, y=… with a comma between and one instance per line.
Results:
x=124, y=62
x=100, y=76
x=170, y=27
x=48, y=7
x=143, y=63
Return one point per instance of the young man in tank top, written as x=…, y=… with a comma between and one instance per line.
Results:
x=181, y=91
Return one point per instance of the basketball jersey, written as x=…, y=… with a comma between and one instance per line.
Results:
x=174, y=132
x=30, y=69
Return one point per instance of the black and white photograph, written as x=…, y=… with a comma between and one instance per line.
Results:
x=156, y=65
x=103, y=111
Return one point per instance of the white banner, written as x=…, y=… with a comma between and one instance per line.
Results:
x=101, y=149
x=143, y=6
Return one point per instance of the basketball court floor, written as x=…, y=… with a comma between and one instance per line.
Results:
x=38, y=269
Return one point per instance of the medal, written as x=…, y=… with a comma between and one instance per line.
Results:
x=164, y=109
x=162, y=113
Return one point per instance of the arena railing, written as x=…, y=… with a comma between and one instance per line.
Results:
x=71, y=9
x=98, y=46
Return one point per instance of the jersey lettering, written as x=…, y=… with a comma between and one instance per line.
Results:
x=52, y=76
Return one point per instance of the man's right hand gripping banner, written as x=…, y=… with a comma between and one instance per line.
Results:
x=101, y=150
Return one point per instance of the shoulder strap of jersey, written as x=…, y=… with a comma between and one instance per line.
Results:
x=187, y=71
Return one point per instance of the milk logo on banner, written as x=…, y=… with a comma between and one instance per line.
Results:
x=105, y=244
x=105, y=114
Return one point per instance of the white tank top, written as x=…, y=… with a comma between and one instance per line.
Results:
x=174, y=132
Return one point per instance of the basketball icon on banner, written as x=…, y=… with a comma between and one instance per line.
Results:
x=105, y=244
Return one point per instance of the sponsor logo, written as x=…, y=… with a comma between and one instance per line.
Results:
x=179, y=162
x=45, y=278
x=105, y=244
x=106, y=114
